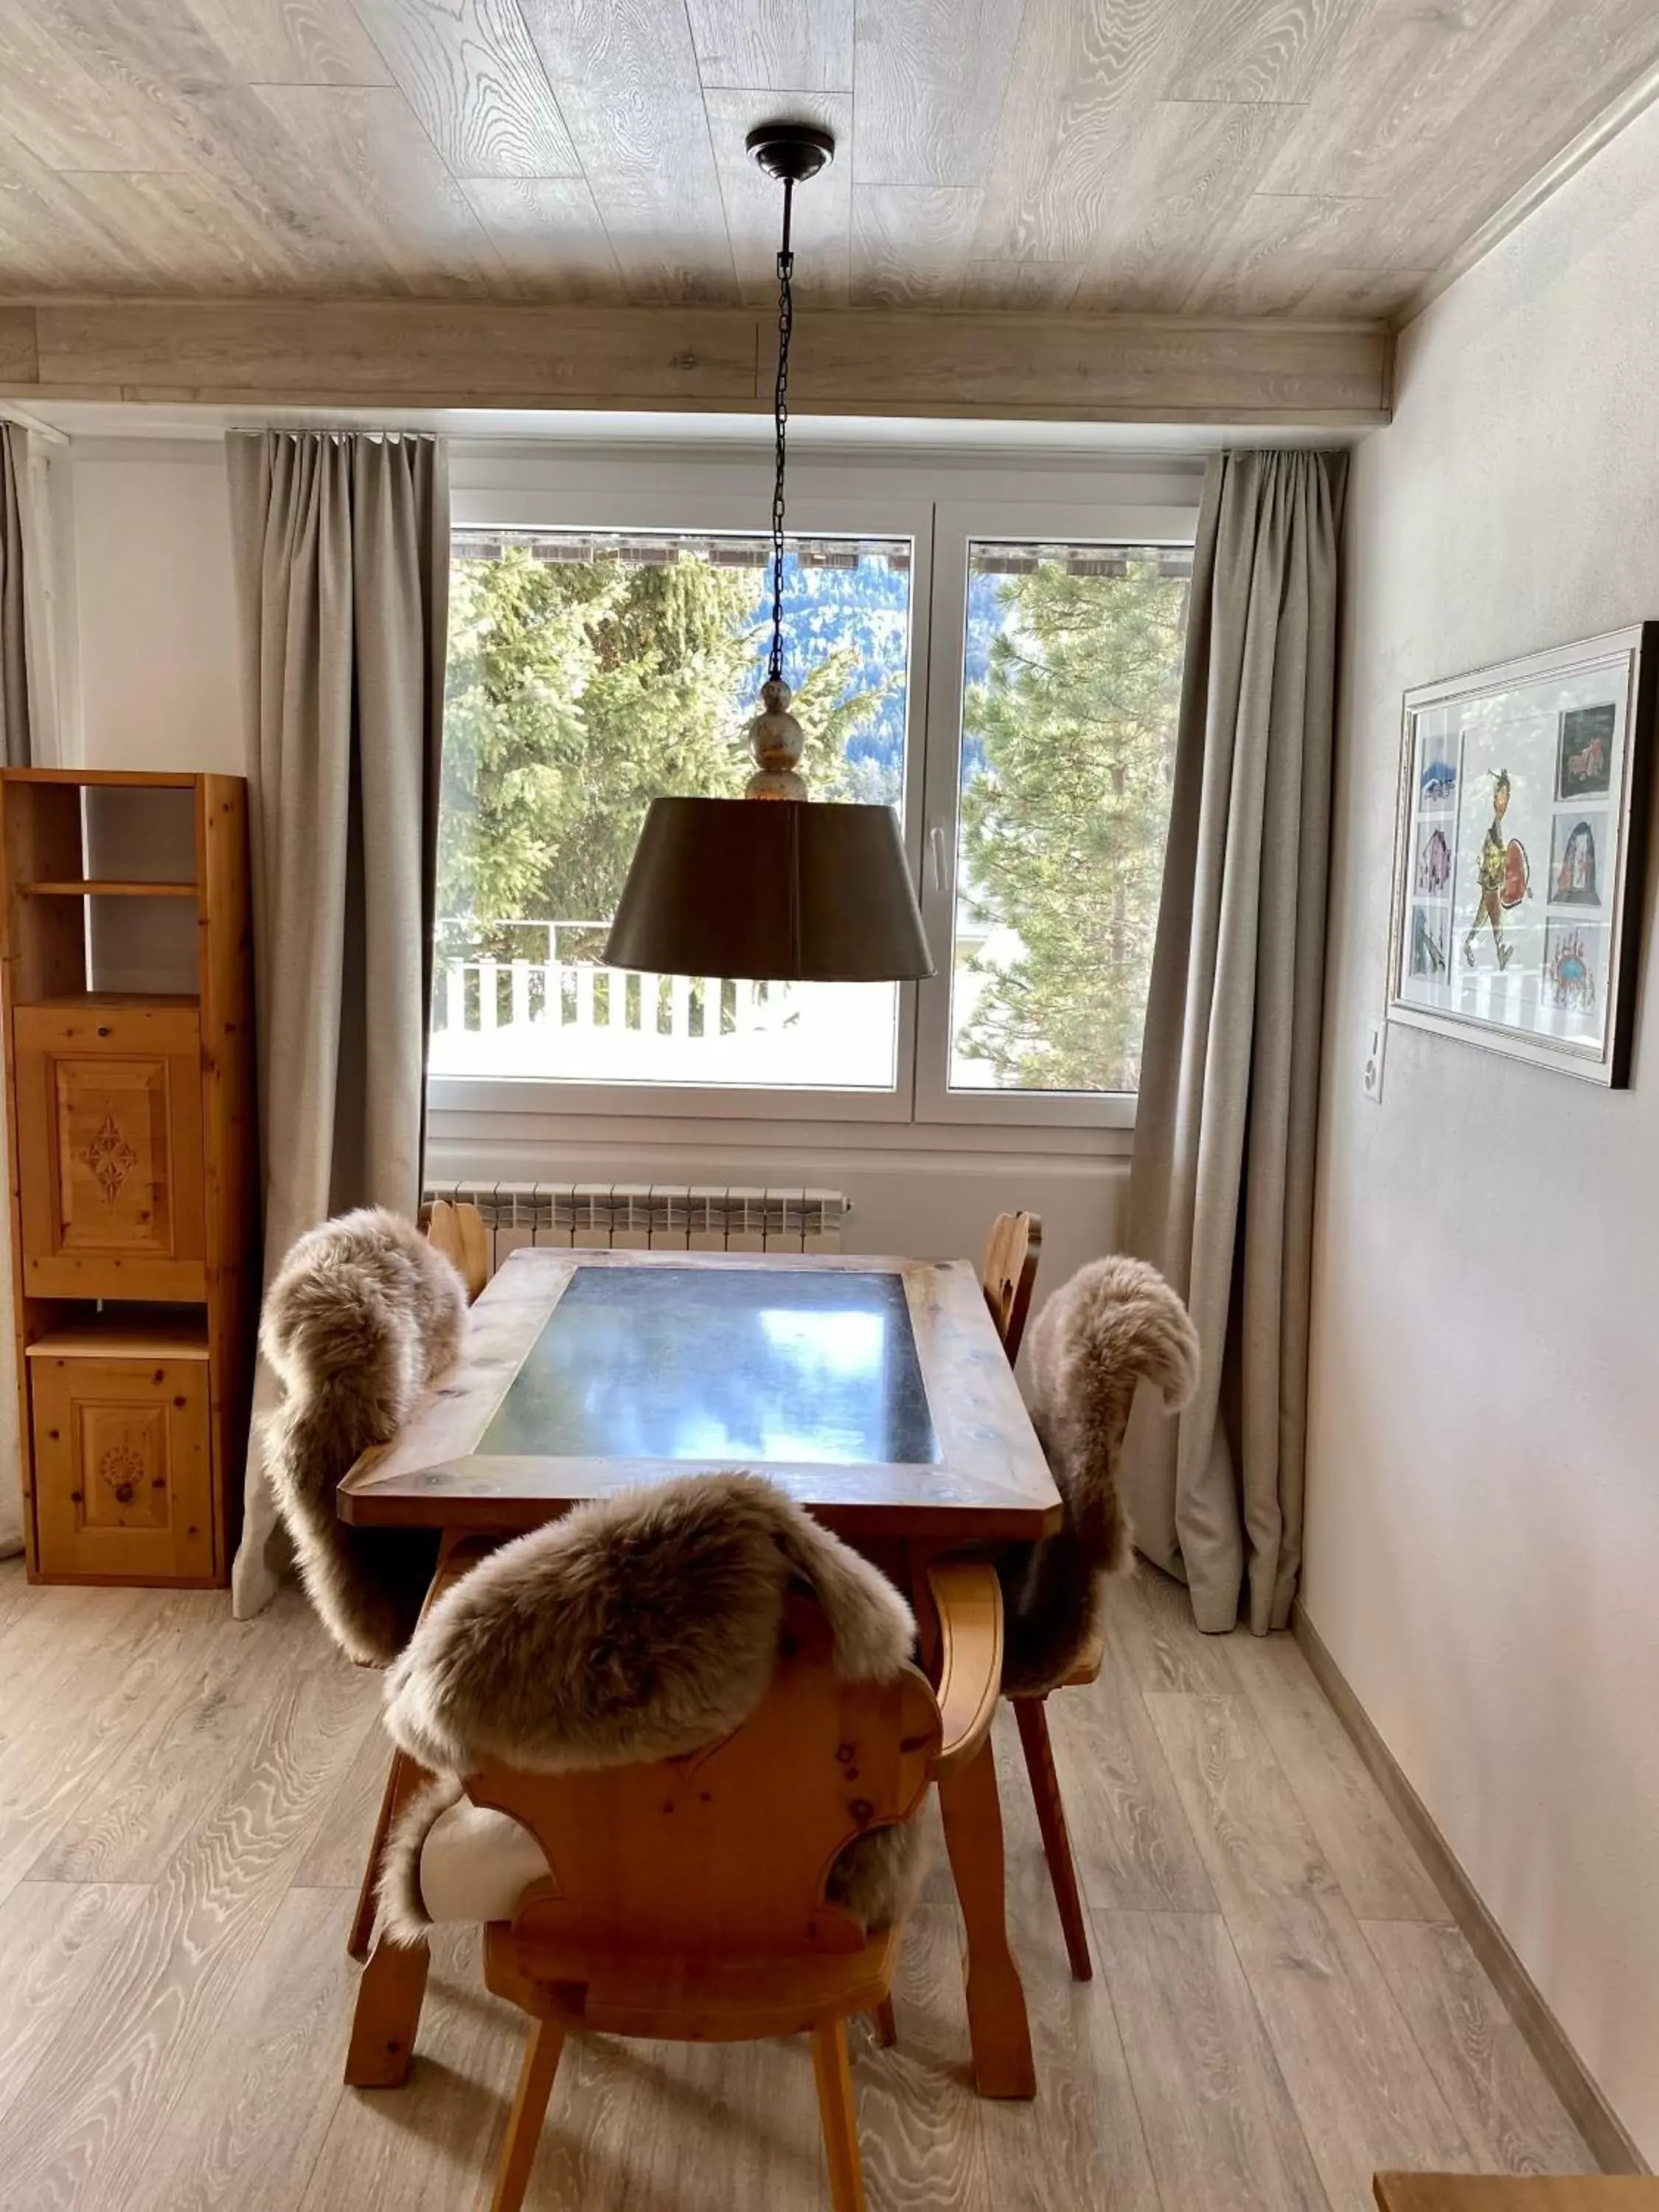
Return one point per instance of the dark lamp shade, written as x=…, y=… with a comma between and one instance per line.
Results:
x=778, y=890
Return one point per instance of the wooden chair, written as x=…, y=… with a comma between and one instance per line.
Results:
x=459, y=1234
x=688, y=1900
x=1012, y=1253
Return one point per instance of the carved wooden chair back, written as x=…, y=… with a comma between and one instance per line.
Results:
x=457, y=1230
x=725, y=1853
x=1009, y=1273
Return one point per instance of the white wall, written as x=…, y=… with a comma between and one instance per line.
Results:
x=1483, y=1513
x=149, y=624
x=154, y=612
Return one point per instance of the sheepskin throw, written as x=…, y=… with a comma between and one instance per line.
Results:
x=1117, y=1321
x=362, y=1315
x=637, y=1628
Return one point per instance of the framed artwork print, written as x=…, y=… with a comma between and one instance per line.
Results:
x=1523, y=796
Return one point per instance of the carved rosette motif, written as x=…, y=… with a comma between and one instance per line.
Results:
x=122, y=1471
x=111, y=1158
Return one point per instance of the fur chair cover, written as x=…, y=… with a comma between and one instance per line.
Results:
x=362, y=1314
x=634, y=1628
x=1117, y=1321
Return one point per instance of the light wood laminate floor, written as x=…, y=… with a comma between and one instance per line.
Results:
x=1280, y=2004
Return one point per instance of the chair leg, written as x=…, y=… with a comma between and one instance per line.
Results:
x=1031, y=1713
x=524, y=2129
x=886, y=2026
x=838, y=2114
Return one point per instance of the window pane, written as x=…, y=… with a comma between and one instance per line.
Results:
x=1071, y=684
x=588, y=673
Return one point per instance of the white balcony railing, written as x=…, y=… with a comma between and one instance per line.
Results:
x=555, y=1011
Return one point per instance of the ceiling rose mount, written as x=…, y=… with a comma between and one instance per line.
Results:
x=791, y=152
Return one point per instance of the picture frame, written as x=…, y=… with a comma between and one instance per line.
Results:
x=1520, y=853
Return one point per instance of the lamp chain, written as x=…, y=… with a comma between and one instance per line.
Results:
x=781, y=418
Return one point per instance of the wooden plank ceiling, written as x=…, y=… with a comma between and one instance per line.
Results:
x=1311, y=158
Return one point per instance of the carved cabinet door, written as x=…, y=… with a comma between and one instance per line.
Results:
x=122, y=1483
x=109, y=1144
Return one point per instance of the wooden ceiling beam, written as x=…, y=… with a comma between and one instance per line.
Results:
x=856, y=361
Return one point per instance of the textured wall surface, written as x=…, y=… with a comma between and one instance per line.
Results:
x=1483, y=1535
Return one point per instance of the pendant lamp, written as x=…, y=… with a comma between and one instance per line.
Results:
x=771, y=886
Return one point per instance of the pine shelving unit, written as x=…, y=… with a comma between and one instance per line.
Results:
x=126, y=996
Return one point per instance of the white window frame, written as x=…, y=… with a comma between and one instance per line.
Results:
x=870, y=495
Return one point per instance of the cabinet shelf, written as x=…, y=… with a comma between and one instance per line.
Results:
x=107, y=889
x=76, y=1002
x=127, y=1332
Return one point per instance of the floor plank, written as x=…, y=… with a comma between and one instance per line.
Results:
x=148, y=1797
x=247, y=2132
x=54, y=1938
x=1496, y=2089
x=428, y=2147
x=1151, y=1629
x=919, y=2117
x=1364, y=2095
x=118, y=2059
x=1131, y=1839
x=1081, y=2142
x=1219, y=2122
x=1377, y=1870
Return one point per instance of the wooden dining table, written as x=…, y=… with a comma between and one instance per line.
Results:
x=875, y=1392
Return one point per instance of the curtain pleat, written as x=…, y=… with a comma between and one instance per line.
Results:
x=342, y=553
x=1222, y=1184
x=15, y=752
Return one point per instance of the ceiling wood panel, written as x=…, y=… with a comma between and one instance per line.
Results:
x=911, y=244
x=783, y=45
x=1184, y=174
x=1310, y=158
x=389, y=183
x=162, y=217
x=292, y=41
x=931, y=76
x=633, y=102
x=1082, y=78
x=470, y=70
x=1259, y=50
x=548, y=235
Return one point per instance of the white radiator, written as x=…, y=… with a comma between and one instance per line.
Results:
x=650, y=1217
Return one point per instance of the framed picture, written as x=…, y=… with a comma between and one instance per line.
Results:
x=1523, y=800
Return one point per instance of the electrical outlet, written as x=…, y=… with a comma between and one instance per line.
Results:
x=1376, y=1038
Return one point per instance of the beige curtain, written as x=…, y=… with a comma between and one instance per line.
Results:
x=342, y=549
x=15, y=752
x=1221, y=1193
x=15, y=748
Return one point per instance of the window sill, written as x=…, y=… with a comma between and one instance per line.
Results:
x=519, y=1110
x=478, y=1131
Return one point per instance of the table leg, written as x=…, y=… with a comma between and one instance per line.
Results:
x=387, y=2017
x=997, y=2023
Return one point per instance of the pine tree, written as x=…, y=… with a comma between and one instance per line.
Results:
x=1064, y=822
x=578, y=691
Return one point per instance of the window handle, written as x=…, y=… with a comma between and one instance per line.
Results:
x=936, y=854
